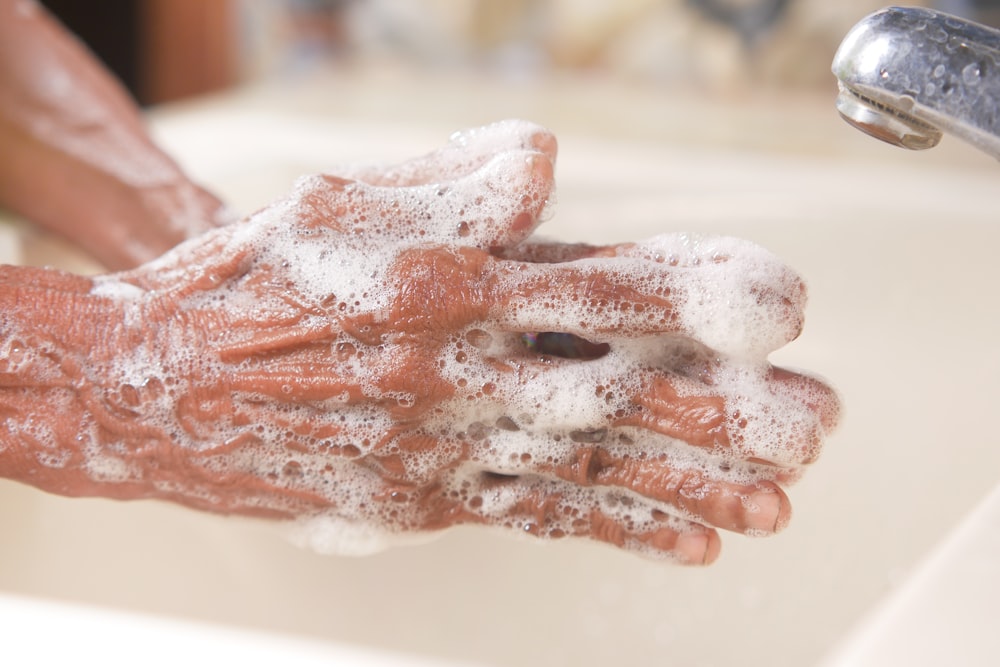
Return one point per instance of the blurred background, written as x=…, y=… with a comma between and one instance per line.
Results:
x=166, y=50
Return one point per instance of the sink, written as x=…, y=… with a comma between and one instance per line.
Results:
x=899, y=256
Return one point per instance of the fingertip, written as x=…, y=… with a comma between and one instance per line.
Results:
x=733, y=296
x=545, y=142
x=768, y=510
x=713, y=549
x=818, y=397
x=698, y=548
x=529, y=189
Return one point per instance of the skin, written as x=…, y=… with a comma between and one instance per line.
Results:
x=241, y=373
x=63, y=116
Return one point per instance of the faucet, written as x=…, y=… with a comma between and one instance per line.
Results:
x=907, y=75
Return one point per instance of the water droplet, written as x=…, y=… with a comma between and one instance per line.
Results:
x=971, y=74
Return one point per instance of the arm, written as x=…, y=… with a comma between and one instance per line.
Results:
x=56, y=341
x=76, y=157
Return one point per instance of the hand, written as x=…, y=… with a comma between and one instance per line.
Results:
x=387, y=354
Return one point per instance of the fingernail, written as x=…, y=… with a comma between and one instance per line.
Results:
x=692, y=548
x=546, y=143
x=767, y=511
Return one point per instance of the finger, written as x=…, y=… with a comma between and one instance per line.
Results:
x=693, y=544
x=817, y=396
x=571, y=399
x=734, y=496
x=724, y=492
x=727, y=496
x=696, y=416
x=746, y=301
x=776, y=416
x=762, y=424
x=758, y=509
x=499, y=204
x=736, y=305
x=549, y=508
x=465, y=152
x=680, y=395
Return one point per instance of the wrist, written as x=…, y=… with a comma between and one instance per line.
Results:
x=55, y=346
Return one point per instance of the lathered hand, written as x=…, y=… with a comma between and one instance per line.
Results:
x=387, y=354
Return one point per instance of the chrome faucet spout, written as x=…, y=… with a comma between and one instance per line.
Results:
x=907, y=75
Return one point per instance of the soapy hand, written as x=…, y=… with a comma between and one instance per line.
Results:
x=386, y=353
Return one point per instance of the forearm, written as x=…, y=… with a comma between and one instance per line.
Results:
x=76, y=157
